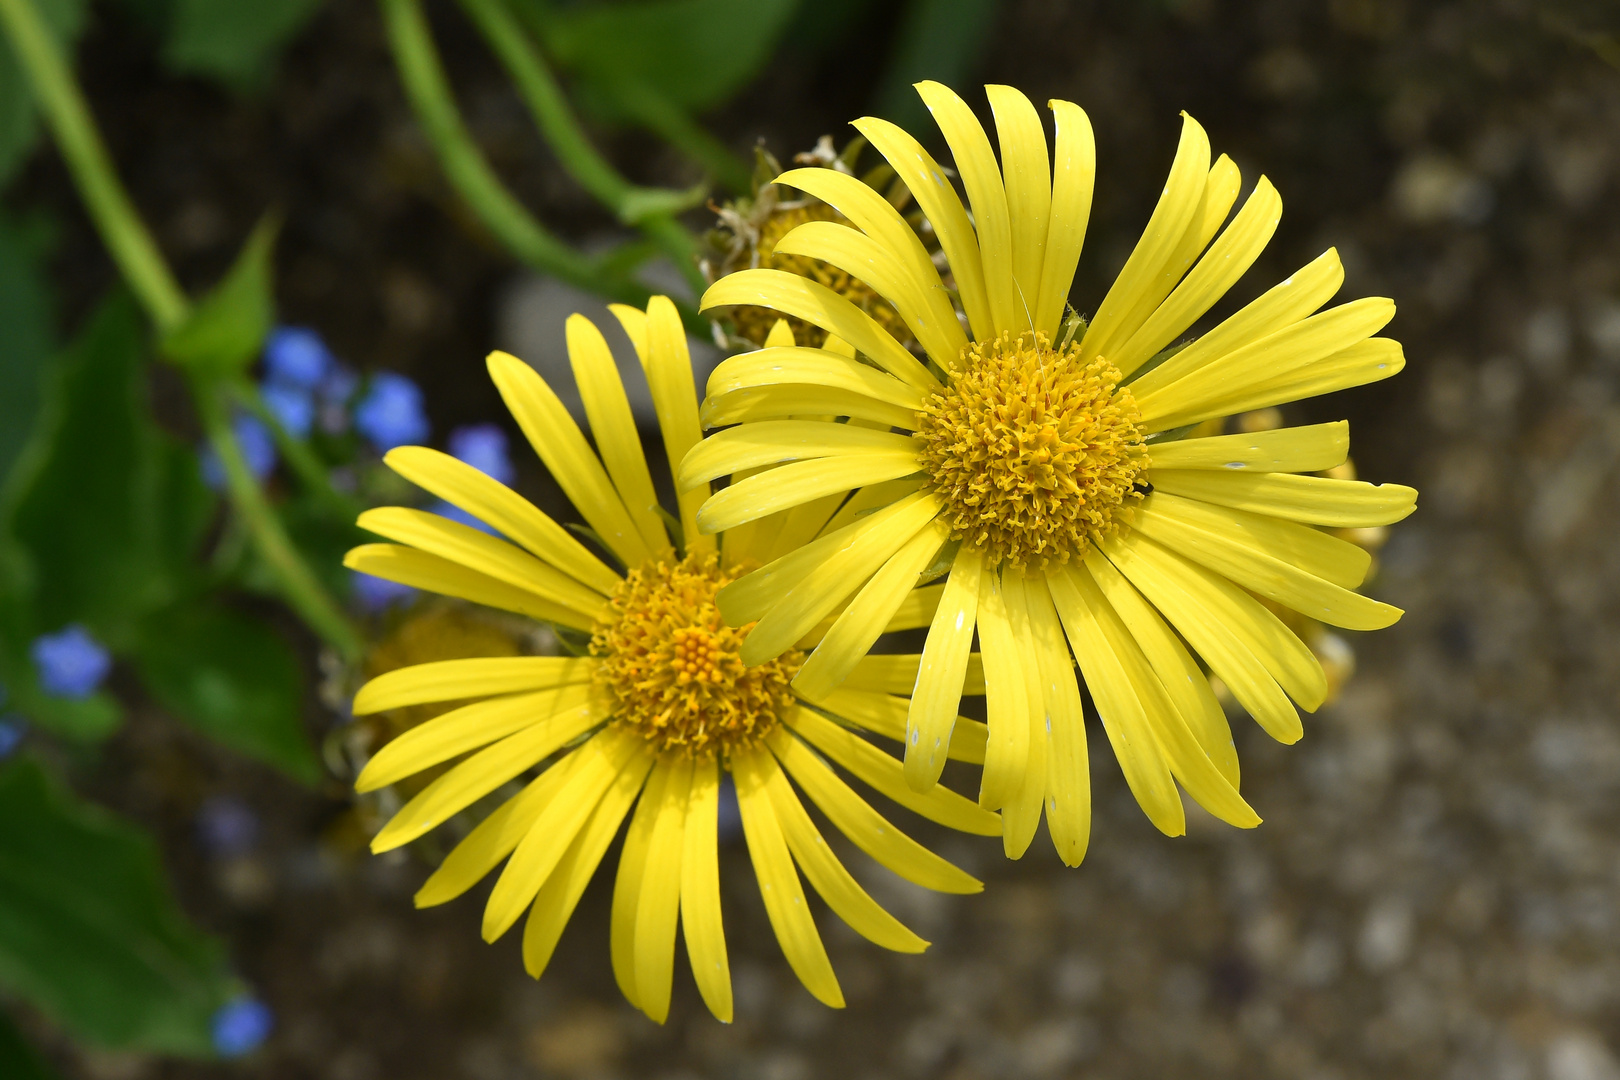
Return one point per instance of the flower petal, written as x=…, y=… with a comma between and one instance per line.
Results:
x=421, y=570
x=1068, y=769
x=1311, y=500
x=770, y=442
x=451, y=680
x=1027, y=176
x=1313, y=448
x=942, y=671
x=674, y=394
x=700, y=892
x=1074, y=171
x=659, y=904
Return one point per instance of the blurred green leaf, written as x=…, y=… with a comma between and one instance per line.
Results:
x=87, y=501
x=26, y=309
x=19, y=126
x=227, y=328
x=88, y=930
x=17, y=1059
x=937, y=39
x=234, y=41
x=692, y=53
x=230, y=677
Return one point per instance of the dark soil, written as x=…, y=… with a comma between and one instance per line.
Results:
x=1436, y=888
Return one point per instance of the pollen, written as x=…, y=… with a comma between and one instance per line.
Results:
x=672, y=664
x=1032, y=450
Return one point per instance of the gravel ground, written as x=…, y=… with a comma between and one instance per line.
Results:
x=1434, y=891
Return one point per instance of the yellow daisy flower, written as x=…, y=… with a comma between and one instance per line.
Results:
x=1044, y=465
x=656, y=706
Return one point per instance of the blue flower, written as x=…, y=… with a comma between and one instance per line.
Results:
x=483, y=446
x=258, y=450
x=71, y=663
x=227, y=826
x=296, y=356
x=391, y=413
x=292, y=406
x=457, y=514
x=377, y=594
x=241, y=1027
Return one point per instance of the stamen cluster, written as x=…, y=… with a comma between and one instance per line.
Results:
x=672, y=664
x=1032, y=450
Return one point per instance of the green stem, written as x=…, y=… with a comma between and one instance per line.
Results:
x=298, y=454
x=429, y=93
x=567, y=139
x=86, y=155
x=298, y=583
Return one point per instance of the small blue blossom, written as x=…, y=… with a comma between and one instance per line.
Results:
x=292, y=406
x=483, y=446
x=457, y=514
x=241, y=1027
x=296, y=356
x=258, y=448
x=391, y=413
x=13, y=729
x=376, y=594
x=70, y=663
x=227, y=826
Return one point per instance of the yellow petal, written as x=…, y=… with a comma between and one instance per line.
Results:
x=608, y=410
x=1027, y=175
x=628, y=882
x=1220, y=268
x=770, y=442
x=1257, y=565
x=600, y=762
x=1364, y=362
x=1183, y=682
x=659, y=904
x=896, y=673
x=1085, y=615
x=804, y=368
x=467, y=728
x=451, y=680
x=484, y=554
x=799, y=482
x=1068, y=769
x=861, y=503
x=929, y=185
x=490, y=501
x=858, y=628
x=1074, y=170
x=1311, y=500
x=1311, y=550
x=420, y=570
x=674, y=394
x=872, y=766
x=844, y=570
x=700, y=889
x=1022, y=813
x=865, y=827
x=785, y=532
x=816, y=304
x=827, y=875
x=779, y=883
x=885, y=714
x=1298, y=449
x=1282, y=305
x=634, y=321
x=1160, y=574
x=558, y=441
x=759, y=403
x=976, y=164
x=918, y=610
x=494, y=838
x=942, y=671
x=877, y=217
x=1180, y=200
x=1006, y=695
x=484, y=772
x=560, y=894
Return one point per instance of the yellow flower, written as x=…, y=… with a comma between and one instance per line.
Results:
x=657, y=706
x=1053, y=474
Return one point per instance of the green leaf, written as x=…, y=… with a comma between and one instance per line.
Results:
x=87, y=503
x=17, y=1059
x=19, y=126
x=89, y=933
x=26, y=311
x=230, y=677
x=234, y=41
x=693, y=53
x=227, y=329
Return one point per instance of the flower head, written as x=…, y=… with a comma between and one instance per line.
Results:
x=656, y=711
x=241, y=1026
x=391, y=414
x=296, y=356
x=70, y=663
x=1049, y=466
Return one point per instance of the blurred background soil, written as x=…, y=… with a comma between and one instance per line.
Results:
x=1436, y=888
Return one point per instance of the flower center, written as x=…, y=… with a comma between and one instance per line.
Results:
x=754, y=323
x=672, y=664
x=1032, y=450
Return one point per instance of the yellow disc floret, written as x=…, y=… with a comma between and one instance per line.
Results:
x=672, y=664
x=1032, y=450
